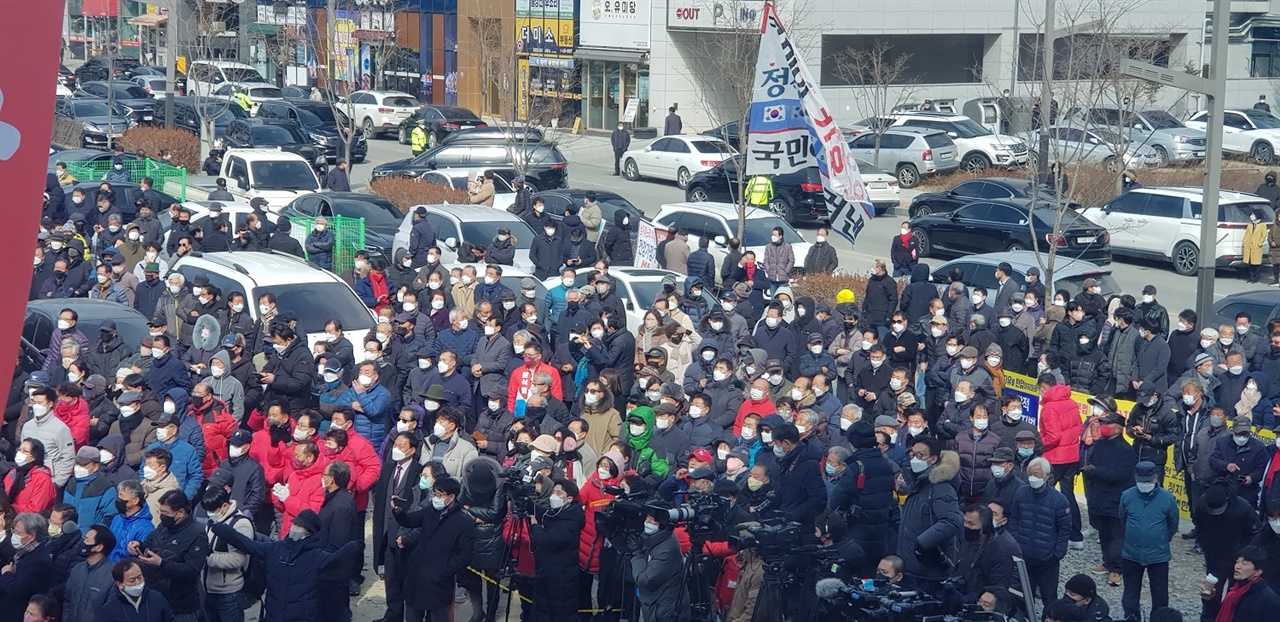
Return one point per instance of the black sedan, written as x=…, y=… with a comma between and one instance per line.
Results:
x=100, y=123
x=99, y=67
x=42, y=319
x=441, y=121
x=730, y=132
x=557, y=200
x=1010, y=189
x=1261, y=305
x=135, y=99
x=127, y=195
x=545, y=167
x=993, y=226
x=495, y=135
x=285, y=135
x=66, y=77
x=797, y=196
x=381, y=217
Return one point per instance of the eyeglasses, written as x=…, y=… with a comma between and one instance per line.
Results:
x=921, y=456
x=594, y=391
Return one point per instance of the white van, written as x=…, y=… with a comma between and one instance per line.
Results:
x=203, y=76
x=277, y=176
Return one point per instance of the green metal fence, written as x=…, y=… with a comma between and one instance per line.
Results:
x=348, y=232
x=171, y=180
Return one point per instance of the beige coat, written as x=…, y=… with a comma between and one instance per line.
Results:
x=484, y=194
x=1255, y=241
x=155, y=490
x=591, y=218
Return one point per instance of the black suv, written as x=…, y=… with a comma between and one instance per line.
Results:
x=99, y=67
x=545, y=166
x=796, y=196
x=133, y=98
x=320, y=121
x=188, y=110
x=265, y=134
x=441, y=122
x=95, y=117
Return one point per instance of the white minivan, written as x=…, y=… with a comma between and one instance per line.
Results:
x=204, y=76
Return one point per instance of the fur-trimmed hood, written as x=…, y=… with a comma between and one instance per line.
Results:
x=947, y=468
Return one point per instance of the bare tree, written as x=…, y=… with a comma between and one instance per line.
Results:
x=882, y=81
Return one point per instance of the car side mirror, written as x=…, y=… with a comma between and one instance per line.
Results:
x=647, y=149
x=451, y=243
x=242, y=183
x=719, y=239
x=953, y=135
x=431, y=165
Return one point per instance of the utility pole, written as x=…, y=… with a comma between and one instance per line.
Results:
x=1214, y=86
x=1046, y=90
x=1017, y=45
x=171, y=62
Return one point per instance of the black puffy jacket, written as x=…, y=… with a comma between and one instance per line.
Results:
x=292, y=571
x=867, y=501
x=1108, y=471
x=616, y=243
x=295, y=372
x=485, y=498
x=554, y=541
x=800, y=493
x=184, y=548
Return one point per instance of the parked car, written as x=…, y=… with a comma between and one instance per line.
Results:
x=378, y=112
x=1098, y=147
x=381, y=217
x=992, y=226
x=504, y=194
x=1262, y=305
x=882, y=188
x=719, y=221
x=234, y=212
x=79, y=155
x=675, y=158
x=544, y=165
x=270, y=174
x=127, y=194
x=978, y=148
x=730, y=132
x=457, y=226
x=1069, y=273
x=188, y=111
x=133, y=98
x=911, y=152
x=258, y=92
x=155, y=86
x=320, y=121
x=101, y=123
x=269, y=134
x=637, y=287
x=304, y=92
x=62, y=91
x=203, y=76
x=42, y=318
x=494, y=135
x=797, y=196
x=1013, y=189
x=312, y=295
x=442, y=122
x=66, y=77
x=557, y=200
x=101, y=66
x=1169, y=138
x=1245, y=131
x=180, y=80
x=1164, y=224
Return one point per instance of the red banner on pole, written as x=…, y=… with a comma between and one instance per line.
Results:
x=31, y=42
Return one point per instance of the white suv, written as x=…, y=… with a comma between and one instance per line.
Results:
x=977, y=147
x=1164, y=223
x=314, y=296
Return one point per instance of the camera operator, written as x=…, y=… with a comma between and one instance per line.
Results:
x=801, y=495
x=986, y=558
x=995, y=599
x=844, y=557
x=890, y=571
x=617, y=586
x=864, y=494
x=553, y=531
x=931, y=517
x=658, y=569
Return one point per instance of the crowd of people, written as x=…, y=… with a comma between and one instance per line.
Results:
x=492, y=433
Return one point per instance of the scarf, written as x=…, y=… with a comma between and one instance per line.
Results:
x=378, y=282
x=1273, y=466
x=1248, y=399
x=905, y=238
x=1227, y=612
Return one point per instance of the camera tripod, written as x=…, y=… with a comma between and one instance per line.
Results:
x=508, y=571
x=777, y=601
x=699, y=581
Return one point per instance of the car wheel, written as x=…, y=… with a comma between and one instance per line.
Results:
x=1112, y=164
x=924, y=209
x=908, y=176
x=531, y=185
x=696, y=193
x=1262, y=153
x=922, y=241
x=433, y=140
x=402, y=136
x=357, y=159
x=682, y=178
x=367, y=126
x=780, y=205
x=1186, y=258
x=1015, y=246
x=975, y=163
x=1162, y=156
x=630, y=170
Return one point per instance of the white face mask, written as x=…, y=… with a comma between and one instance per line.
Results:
x=597, y=333
x=748, y=433
x=125, y=411
x=757, y=394
x=235, y=451
x=797, y=394
x=977, y=300
x=1014, y=415
x=299, y=434
x=365, y=380
x=918, y=465
x=936, y=332
x=696, y=412
x=636, y=429
x=719, y=376
x=331, y=377
x=993, y=361
x=1146, y=487
x=967, y=363
x=952, y=350
x=431, y=405
x=961, y=397
x=1148, y=298
x=1205, y=343
x=1275, y=524
x=1188, y=399
x=895, y=384
x=398, y=454
x=21, y=458
x=772, y=322
x=1017, y=307
x=1006, y=322
x=402, y=426
x=162, y=434
x=1236, y=369
x=1241, y=440
x=1035, y=482
x=980, y=424
x=766, y=437
x=663, y=423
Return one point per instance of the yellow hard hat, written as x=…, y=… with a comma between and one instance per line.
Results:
x=845, y=295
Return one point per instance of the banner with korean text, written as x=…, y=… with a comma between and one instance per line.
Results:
x=790, y=128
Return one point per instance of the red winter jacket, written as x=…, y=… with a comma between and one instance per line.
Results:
x=360, y=455
x=277, y=462
x=217, y=425
x=762, y=407
x=39, y=493
x=593, y=499
x=76, y=416
x=306, y=492
x=1060, y=425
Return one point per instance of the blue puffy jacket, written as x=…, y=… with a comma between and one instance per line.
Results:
x=94, y=498
x=702, y=266
x=185, y=467
x=1040, y=520
x=374, y=403
x=1150, y=521
x=126, y=529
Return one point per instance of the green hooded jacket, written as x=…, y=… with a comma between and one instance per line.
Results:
x=644, y=462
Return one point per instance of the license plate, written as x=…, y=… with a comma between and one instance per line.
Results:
x=146, y=117
x=1197, y=154
x=1086, y=240
x=878, y=186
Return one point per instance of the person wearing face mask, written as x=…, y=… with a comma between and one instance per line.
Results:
x=1150, y=309
x=370, y=401
x=659, y=574
x=1011, y=421
x=248, y=479
x=53, y=435
x=1267, y=537
x=865, y=492
x=1150, y=517
x=89, y=580
x=1006, y=478
x=227, y=565
x=216, y=424
x=1240, y=459
x=440, y=554
x=640, y=430
x=986, y=557
x=553, y=534
x=1069, y=332
x=173, y=555
x=294, y=565
x=290, y=372
x=1014, y=346
x=92, y=494
x=29, y=486
x=169, y=464
x=757, y=402
x=131, y=598
x=1153, y=423
x=1225, y=524
x=302, y=488
x=975, y=446
x=930, y=520
x=1040, y=522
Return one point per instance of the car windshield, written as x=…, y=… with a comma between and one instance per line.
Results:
x=96, y=109
x=313, y=116
x=222, y=114
x=758, y=231
x=968, y=128
x=375, y=212
x=1263, y=120
x=711, y=146
x=1076, y=283
x=1162, y=120
x=481, y=232
x=401, y=101
x=314, y=304
x=266, y=92
x=273, y=135
x=131, y=91
x=866, y=168
x=242, y=74
x=283, y=175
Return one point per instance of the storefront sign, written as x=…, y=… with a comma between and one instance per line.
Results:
x=540, y=36
x=713, y=14
x=344, y=45
x=562, y=9
x=615, y=23
x=629, y=113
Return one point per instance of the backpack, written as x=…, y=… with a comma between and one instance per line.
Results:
x=255, y=575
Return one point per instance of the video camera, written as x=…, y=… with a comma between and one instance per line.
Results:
x=520, y=492
x=624, y=516
x=702, y=515
x=770, y=538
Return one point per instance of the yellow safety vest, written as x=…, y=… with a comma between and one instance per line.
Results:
x=418, y=139
x=243, y=100
x=759, y=190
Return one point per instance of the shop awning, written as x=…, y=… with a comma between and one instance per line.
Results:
x=150, y=20
x=260, y=29
x=619, y=56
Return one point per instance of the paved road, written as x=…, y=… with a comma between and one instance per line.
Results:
x=591, y=166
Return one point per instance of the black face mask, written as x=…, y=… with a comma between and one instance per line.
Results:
x=122, y=507
x=107, y=337
x=59, y=273
x=85, y=550
x=573, y=304
x=169, y=521
x=970, y=535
